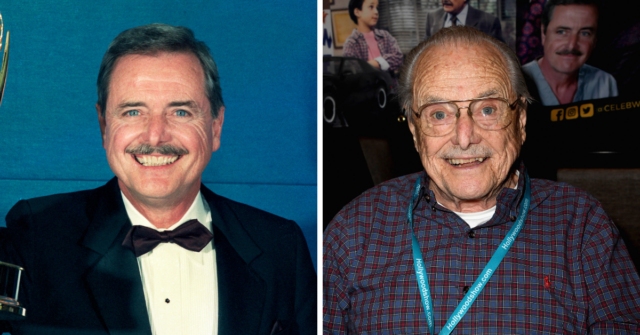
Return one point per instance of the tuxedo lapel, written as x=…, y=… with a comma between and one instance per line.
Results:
x=241, y=290
x=114, y=281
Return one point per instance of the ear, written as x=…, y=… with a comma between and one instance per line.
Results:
x=216, y=129
x=543, y=36
x=357, y=12
x=522, y=120
x=103, y=124
x=414, y=131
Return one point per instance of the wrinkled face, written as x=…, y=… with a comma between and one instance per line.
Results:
x=368, y=14
x=453, y=6
x=470, y=163
x=570, y=37
x=158, y=131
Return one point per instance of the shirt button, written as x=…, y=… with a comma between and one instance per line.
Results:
x=433, y=208
x=167, y=300
x=512, y=218
x=472, y=234
x=465, y=289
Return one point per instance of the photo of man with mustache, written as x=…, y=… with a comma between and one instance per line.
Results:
x=460, y=13
x=569, y=29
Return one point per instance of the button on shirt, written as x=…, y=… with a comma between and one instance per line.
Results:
x=568, y=271
x=180, y=286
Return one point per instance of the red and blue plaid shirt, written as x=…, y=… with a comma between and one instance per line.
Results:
x=567, y=272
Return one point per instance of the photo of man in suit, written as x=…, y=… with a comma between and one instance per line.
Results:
x=460, y=13
x=154, y=251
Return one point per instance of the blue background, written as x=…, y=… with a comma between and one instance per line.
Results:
x=266, y=54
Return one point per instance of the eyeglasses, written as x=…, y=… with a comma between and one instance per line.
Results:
x=439, y=118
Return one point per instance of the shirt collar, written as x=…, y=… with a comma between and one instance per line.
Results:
x=199, y=210
x=506, y=203
x=462, y=16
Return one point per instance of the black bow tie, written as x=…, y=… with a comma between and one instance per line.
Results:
x=191, y=235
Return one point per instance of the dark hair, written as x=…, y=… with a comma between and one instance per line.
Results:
x=151, y=40
x=460, y=36
x=550, y=6
x=353, y=4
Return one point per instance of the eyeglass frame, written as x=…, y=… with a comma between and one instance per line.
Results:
x=512, y=106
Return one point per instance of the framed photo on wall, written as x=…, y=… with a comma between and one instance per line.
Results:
x=342, y=26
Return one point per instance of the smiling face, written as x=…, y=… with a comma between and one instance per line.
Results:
x=453, y=6
x=570, y=37
x=469, y=166
x=157, y=129
x=368, y=15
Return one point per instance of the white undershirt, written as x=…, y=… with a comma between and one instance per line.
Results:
x=477, y=218
x=187, y=278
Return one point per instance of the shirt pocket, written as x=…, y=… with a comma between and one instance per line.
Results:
x=386, y=305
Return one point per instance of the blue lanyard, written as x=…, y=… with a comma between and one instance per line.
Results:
x=483, y=278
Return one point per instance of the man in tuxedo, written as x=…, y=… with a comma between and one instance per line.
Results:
x=459, y=13
x=154, y=251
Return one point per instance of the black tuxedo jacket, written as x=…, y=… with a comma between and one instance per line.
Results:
x=476, y=18
x=79, y=279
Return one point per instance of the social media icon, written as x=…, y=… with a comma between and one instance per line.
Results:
x=586, y=110
x=572, y=112
x=557, y=115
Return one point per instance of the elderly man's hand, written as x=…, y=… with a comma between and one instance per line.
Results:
x=374, y=63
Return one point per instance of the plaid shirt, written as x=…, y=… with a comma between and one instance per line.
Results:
x=567, y=272
x=356, y=46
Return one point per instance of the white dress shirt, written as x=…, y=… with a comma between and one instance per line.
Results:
x=461, y=18
x=180, y=286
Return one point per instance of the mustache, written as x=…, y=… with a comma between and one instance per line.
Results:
x=569, y=52
x=147, y=149
x=477, y=151
x=447, y=3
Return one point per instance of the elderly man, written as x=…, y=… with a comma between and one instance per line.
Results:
x=472, y=245
x=561, y=76
x=460, y=13
x=95, y=260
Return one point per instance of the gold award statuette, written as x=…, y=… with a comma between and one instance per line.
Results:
x=5, y=60
x=10, y=308
x=10, y=274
